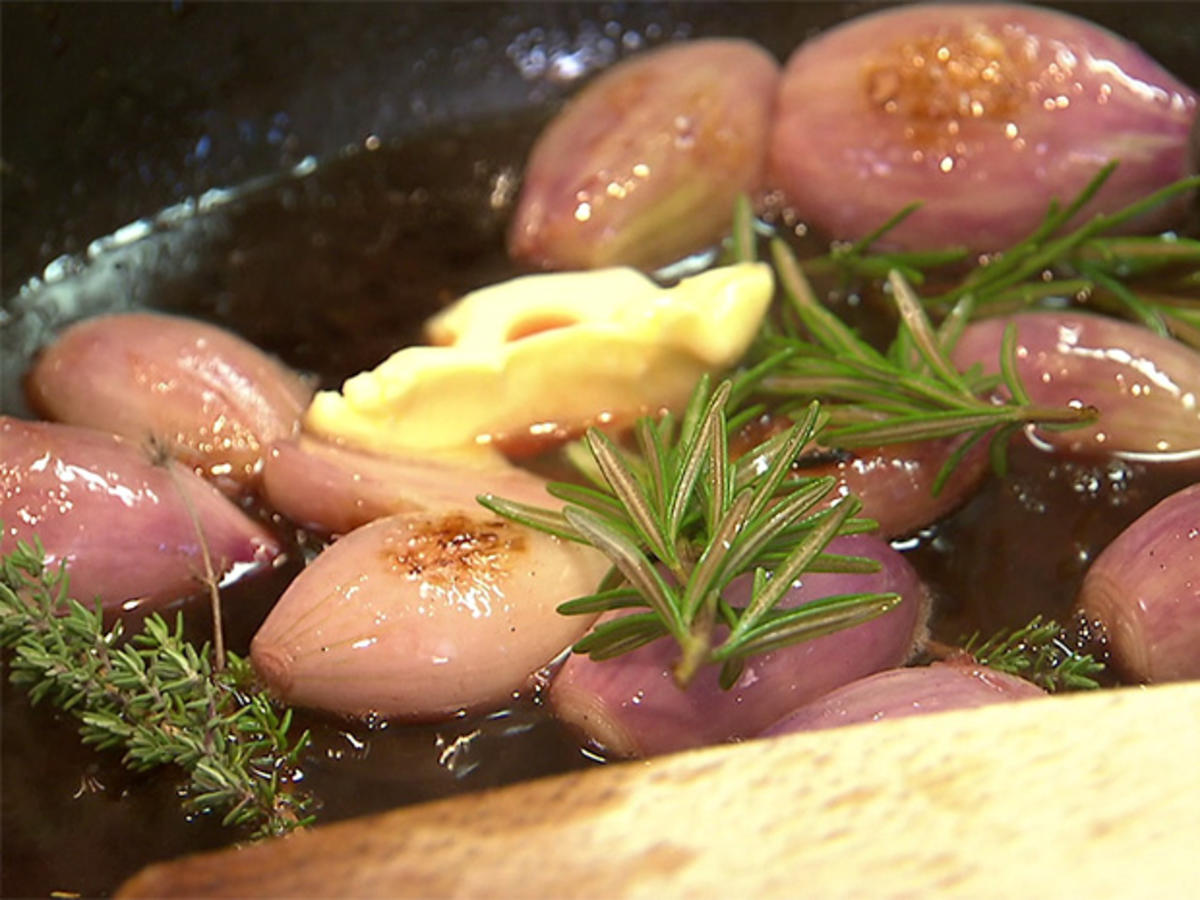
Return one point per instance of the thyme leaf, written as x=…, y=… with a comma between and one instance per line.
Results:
x=1037, y=652
x=155, y=696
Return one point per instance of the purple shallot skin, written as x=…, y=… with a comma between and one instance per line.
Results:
x=126, y=526
x=1143, y=386
x=980, y=113
x=335, y=489
x=899, y=693
x=1144, y=588
x=424, y=615
x=630, y=706
x=211, y=399
x=644, y=165
x=896, y=482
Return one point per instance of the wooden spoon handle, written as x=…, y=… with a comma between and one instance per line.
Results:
x=1087, y=795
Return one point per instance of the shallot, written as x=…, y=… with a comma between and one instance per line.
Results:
x=896, y=482
x=980, y=112
x=1145, y=387
x=336, y=489
x=644, y=165
x=898, y=693
x=630, y=706
x=1144, y=588
x=208, y=397
x=130, y=529
x=423, y=615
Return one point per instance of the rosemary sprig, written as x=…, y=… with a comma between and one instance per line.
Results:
x=1066, y=265
x=860, y=261
x=680, y=520
x=1084, y=263
x=911, y=393
x=1039, y=653
x=638, y=507
x=156, y=696
x=1181, y=315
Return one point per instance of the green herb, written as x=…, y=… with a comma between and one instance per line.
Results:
x=1046, y=256
x=680, y=520
x=1180, y=314
x=911, y=393
x=156, y=696
x=1038, y=652
x=859, y=261
x=1087, y=263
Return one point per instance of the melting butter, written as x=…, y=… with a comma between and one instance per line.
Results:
x=561, y=350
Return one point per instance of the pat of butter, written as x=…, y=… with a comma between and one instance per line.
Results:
x=554, y=351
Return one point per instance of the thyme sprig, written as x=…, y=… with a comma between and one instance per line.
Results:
x=1037, y=652
x=680, y=520
x=156, y=696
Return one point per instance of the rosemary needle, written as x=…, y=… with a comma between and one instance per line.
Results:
x=681, y=520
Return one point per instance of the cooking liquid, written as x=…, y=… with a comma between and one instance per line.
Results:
x=332, y=270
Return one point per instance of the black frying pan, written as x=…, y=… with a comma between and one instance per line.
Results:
x=217, y=115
